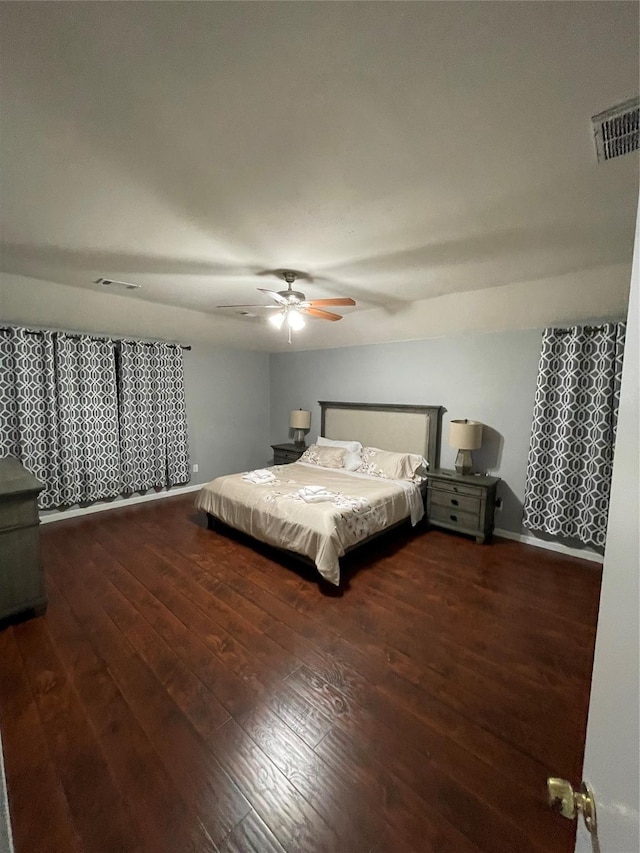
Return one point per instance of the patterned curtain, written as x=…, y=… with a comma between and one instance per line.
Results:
x=28, y=411
x=154, y=444
x=573, y=434
x=87, y=401
x=58, y=413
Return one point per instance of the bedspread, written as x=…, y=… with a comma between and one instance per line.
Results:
x=281, y=513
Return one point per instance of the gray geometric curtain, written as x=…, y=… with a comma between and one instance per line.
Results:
x=58, y=413
x=84, y=428
x=87, y=401
x=154, y=447
x=28, y=411
x=573, y=433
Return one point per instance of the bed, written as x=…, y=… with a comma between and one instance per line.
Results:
x=319, y=512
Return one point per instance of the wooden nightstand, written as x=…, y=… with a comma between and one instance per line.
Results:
x=462, y=502
x=283, y=454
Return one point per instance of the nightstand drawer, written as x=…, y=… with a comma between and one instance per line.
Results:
x=283, y=454
x=454, y=517
x=455, y=501
x=283, y=458
x=456, y=488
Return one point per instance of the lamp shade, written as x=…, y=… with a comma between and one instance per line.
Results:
x=299, y=419
x=465, y=434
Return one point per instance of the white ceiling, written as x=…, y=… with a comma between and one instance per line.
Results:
x=394, y=152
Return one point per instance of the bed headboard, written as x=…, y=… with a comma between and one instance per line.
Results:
x=389, y=426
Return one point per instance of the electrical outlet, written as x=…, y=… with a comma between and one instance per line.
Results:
x=195, y=469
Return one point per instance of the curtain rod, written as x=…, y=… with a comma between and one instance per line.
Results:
x=587, y=329
x=93, y=337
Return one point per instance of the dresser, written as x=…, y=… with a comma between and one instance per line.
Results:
x=283, y=454
x=461, y=502
x=22, y=588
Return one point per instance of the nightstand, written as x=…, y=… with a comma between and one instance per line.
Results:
x=462, y=502
x=283, y=454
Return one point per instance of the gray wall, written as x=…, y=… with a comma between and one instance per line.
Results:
x=227, y=395
x=485, y=377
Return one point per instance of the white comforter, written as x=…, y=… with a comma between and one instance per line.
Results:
x=318, y=512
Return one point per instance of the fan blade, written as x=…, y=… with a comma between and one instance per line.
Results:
x=321, y=315
x=343, y=300
x=268, y=307
x=274, y=295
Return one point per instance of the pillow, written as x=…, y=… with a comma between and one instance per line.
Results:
x=327, y=457
x=392, y=466
x=352, y=459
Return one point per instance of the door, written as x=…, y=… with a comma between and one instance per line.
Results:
x=613, y=740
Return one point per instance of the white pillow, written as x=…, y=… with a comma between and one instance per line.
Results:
x=352, y=458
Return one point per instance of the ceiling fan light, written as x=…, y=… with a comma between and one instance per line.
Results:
x=295, y=319
x=277, y=319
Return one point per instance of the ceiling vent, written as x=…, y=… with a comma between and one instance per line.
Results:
x=616, y=130
x=108, y=282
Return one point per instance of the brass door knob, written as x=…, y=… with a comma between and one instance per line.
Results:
x=570, y=803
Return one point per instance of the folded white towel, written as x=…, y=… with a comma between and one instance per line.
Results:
x=315, y=494
x=261, y=475
x=316, y=499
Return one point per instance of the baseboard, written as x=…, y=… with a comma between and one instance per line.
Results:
x=117, y=504
x=182, y=490
x=550, y=546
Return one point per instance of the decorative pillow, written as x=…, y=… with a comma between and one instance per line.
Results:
x=392, y=466
x=327, y=457
x=352, y=459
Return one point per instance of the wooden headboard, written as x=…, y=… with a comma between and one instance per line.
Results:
x=389, y=426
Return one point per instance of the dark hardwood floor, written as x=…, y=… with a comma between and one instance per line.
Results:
x=187, y=691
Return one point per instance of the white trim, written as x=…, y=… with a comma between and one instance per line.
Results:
x=117, y=504
x=6, y=837
x=550, y=546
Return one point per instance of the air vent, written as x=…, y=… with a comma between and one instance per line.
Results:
x=109, y=282
x=616, y=130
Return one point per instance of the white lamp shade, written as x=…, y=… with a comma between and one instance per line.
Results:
x=300, y=419
x=465, y=434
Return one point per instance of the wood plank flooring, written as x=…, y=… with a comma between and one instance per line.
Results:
x=191, y=691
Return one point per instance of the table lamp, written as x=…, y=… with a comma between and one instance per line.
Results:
x=465, y=436
x=299, y=421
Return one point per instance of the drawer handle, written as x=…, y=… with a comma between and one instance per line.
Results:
x=455, y=488
x=454, y=502
x=453, y=517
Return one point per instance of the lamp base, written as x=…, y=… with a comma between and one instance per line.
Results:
x=464, y=462
x=298, y=437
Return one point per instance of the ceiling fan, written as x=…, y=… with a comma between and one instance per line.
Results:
x=291, y=305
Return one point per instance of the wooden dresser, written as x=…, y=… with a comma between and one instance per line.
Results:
x=461, y=502
x=22, y=590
